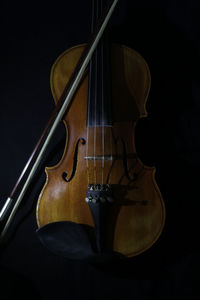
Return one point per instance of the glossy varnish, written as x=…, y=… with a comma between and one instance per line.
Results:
x=137, y=216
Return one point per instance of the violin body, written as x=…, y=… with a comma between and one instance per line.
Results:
x=137, y=214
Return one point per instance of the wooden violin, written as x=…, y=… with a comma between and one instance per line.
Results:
x=100, y=197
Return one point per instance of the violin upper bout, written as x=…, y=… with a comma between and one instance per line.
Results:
x=131, y=80
x=131, y=83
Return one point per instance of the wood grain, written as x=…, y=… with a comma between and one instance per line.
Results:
x=138, y=213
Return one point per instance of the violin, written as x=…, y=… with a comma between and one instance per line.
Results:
x=100, y=201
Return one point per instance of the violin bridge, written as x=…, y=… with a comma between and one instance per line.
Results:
x=99, y=157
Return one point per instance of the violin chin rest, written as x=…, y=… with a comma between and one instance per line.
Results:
x=73, y=241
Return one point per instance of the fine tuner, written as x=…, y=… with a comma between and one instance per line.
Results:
x=99, y=193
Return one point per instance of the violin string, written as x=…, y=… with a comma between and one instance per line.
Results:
x=95, y=120
x=111, y=155
x=110, y=95
x=102, y=101
x=89, y=100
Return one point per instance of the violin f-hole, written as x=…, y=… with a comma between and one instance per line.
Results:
x=125, y=163
x=65, y=174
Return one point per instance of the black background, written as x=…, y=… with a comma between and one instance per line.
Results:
x=167, y=36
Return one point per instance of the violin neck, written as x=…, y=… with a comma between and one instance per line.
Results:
x=99, y=91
